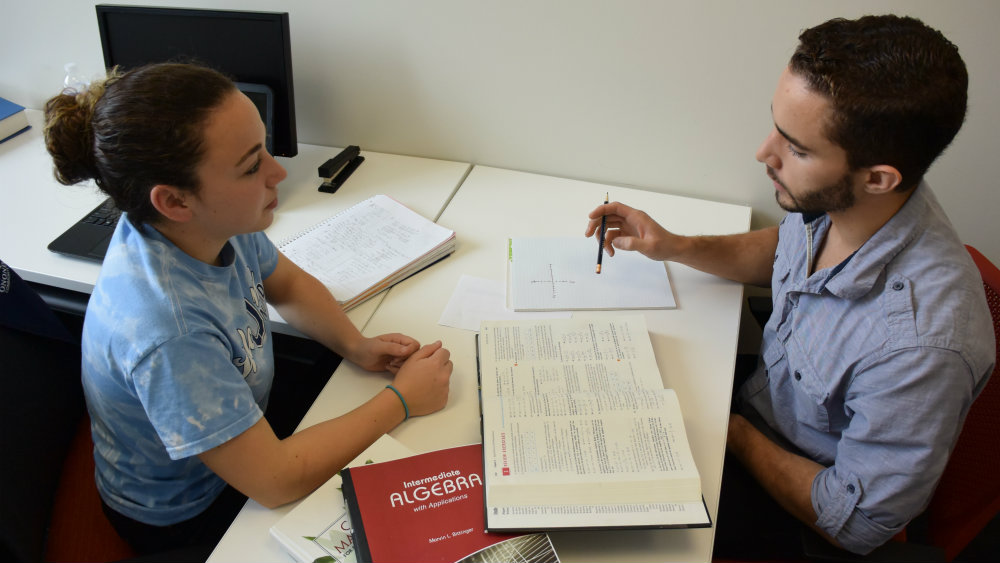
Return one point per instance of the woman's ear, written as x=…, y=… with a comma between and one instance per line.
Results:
x=171, y=202
x=882, y=179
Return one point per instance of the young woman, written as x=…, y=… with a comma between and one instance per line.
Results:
x=177, y=352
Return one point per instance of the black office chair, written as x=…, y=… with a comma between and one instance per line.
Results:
x=49, y=507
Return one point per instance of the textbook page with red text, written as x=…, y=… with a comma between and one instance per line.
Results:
x=429, y=508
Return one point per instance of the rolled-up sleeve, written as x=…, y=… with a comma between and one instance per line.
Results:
x=905, y=413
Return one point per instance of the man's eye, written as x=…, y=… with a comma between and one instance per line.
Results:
x=796, y=153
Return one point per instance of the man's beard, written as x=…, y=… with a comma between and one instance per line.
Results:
x=835, y=197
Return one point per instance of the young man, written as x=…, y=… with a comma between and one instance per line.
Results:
x=880, y=337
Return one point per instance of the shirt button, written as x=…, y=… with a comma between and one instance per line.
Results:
x=850, y=489
x=897, y=285
x=798, y=376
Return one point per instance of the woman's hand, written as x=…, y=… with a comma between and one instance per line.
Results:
x=386, y=352
x=274, y=472
x=423, y=379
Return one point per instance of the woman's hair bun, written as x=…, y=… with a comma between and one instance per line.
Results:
x=135, y=130
x=69, y=136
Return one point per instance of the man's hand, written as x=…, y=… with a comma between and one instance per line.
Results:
x=743, y=257
x=630, y=229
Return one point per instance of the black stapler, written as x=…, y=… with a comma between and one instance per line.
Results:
x=339, y=168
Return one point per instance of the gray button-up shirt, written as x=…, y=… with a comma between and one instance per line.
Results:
x=869, y=368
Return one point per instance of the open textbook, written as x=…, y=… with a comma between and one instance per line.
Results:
x=368, y=247
x=557, y=274
x=578, y=431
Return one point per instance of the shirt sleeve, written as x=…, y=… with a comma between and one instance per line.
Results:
x=906, y=412
x=194, y=396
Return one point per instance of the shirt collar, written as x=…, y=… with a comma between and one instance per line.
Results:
x=228, y=253
x=857, y=277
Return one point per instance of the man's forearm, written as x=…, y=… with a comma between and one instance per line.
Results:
x=787, y=477
x=745, y=258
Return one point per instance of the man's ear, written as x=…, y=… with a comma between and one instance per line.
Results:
x=171, y=202
x=882, y=179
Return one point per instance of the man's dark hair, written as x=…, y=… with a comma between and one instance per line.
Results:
x=898, y=89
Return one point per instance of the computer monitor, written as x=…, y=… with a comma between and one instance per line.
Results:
x=253, y=48
x=263, y=97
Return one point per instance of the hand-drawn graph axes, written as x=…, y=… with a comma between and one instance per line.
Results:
x=553, y=281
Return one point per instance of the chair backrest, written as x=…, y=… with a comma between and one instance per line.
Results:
x=968, y=496
x=43, y=400
x=48, y=469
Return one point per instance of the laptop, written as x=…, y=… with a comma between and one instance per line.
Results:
x=90, y=236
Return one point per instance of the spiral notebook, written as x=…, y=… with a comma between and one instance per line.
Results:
x=369, y=247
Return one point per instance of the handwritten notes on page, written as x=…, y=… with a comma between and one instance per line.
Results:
x=557, y=274
x=367, y=248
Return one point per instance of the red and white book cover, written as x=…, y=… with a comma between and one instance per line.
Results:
x=429, y=508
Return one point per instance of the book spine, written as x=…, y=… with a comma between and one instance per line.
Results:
x=290, y=546
x=362, y=551
x=482, y=429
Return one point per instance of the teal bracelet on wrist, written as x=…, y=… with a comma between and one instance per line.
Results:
x=406, y=409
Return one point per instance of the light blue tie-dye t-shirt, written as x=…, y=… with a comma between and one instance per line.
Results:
x=177, y=359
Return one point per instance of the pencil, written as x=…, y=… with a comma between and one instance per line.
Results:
x=600, y=239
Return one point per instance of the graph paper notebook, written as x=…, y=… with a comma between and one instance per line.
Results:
x=557, y=274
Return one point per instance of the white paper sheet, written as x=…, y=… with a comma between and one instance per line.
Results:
x=477, y=299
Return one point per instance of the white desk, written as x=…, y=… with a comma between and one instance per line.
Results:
x=35, y=209
x=695, y=346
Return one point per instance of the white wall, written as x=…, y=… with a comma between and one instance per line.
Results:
x=669, y=96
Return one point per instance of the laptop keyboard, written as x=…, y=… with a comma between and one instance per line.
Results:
x=106, y=215
x=90, y=235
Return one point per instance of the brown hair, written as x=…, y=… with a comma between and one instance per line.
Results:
x=898, y=89
x=135, y=130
